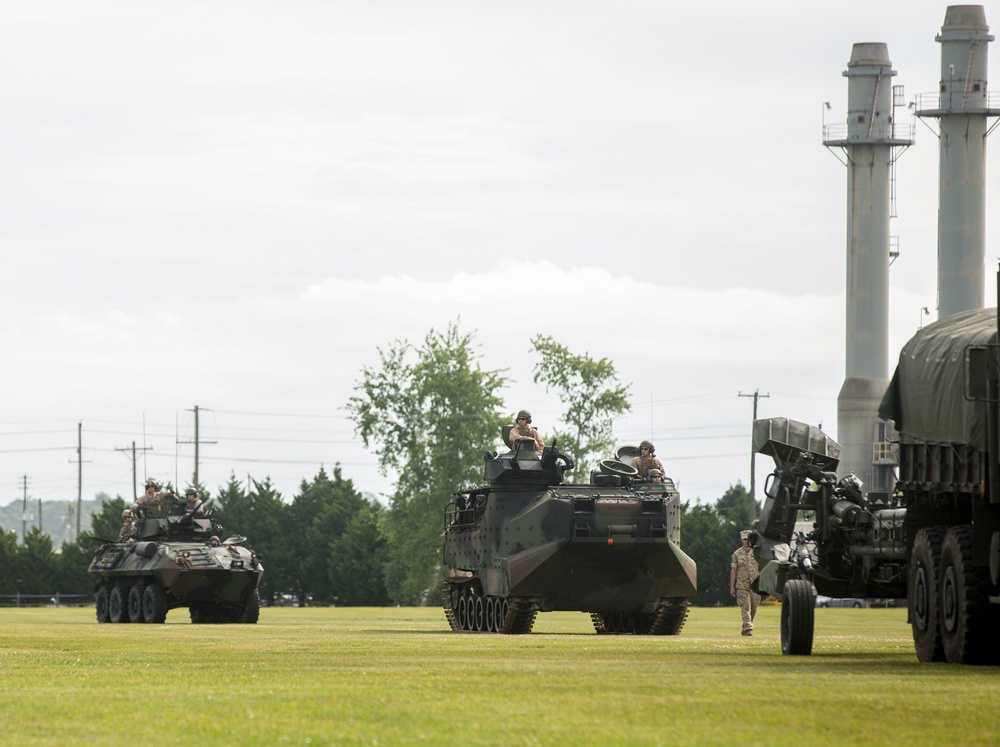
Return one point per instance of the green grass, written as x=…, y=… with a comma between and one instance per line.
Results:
x=396, y=676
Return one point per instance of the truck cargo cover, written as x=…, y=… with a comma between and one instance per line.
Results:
x=926, y=396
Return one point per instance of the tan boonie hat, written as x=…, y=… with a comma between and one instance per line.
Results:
x=745, y=534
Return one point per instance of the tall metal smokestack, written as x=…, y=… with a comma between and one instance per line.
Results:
x=868, y=140
x=962, y=107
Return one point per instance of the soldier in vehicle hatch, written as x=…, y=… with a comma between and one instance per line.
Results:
x=128, y=527
x=646, y=459
x=152, y=498
x=191, y=499
x=654, y=476
x=524, y=432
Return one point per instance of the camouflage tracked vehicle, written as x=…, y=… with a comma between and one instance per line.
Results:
x=527, y=543
x=173, y=559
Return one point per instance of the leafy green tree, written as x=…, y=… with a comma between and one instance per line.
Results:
x=593, y=398
x=429, y=413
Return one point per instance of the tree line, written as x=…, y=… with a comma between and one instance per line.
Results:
x=429, y=413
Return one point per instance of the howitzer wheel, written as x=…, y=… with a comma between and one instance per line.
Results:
x=798, y=615
x=924, y=595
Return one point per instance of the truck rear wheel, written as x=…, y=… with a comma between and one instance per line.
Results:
x=965, y=610
x=798, y=616
x=923, y=593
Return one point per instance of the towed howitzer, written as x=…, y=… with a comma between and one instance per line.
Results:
x=856, y=547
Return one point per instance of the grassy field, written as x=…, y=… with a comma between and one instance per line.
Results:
x=397, y=676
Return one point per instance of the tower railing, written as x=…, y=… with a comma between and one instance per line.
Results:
x=987, y=102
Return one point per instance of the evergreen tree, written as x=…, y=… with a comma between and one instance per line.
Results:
x=36, y=563
x=8, y=562
x=357, y=559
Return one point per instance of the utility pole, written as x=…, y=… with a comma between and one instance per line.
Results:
x=79, y=473
x=197, y=442
x=24, y=510
x=135, y=494
x=753, y=480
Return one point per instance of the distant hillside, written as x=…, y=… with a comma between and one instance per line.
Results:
x=58, y=517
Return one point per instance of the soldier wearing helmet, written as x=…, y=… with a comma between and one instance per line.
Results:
x=152, y=498
x=646, y=460
x=655, y=476
x=523, y=431
x=192, y=500
x=128, y=527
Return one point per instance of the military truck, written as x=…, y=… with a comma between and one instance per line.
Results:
x=527, y=542
x=174, y=558
x=936, y=538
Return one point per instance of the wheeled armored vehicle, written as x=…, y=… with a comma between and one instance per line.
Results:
x=526, y=542
x=173, y=558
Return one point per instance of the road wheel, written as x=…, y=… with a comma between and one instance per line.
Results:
x=964, y=606
x=798, y=615
x=924, y=595
x=135, y=603
x=250, y=611
x=154, y=604
x=479, y=614
x=118, y=604
x=102, y=604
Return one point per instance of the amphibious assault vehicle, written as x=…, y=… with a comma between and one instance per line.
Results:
x=173, y=558
x=526, y=542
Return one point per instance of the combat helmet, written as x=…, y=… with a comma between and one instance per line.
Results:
x=650, y=474
x=523, y=414
x=648, y=445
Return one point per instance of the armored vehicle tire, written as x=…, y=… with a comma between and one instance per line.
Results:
x=250, y=611
x=922, y=589
x=964, y=605
x=135, y=603
x=798, y=616
x=154, y=604
x=118, y=603
x=102, y=604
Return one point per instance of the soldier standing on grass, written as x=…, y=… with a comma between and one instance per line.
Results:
x=742, y=573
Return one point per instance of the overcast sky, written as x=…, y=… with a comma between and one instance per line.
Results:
x=234, y=204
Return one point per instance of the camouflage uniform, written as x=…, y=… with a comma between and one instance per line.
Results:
x=127, y=530
x=526, y=433
x=646, y=463
x=747, y=571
